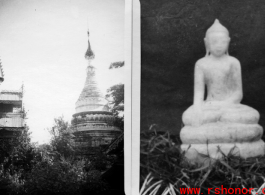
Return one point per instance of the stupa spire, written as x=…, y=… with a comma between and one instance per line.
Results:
x=89, y=55
x=90, y=98
x=93, y=123
x=90, y=88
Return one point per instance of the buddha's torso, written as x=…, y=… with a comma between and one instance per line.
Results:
x=218, y=77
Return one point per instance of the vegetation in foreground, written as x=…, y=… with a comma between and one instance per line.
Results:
x=54, y=168
x=164, y=170
x=115, y=96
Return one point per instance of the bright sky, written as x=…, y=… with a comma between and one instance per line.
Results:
x=42, y=44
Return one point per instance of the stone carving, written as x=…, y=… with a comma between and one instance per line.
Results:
x=219, y=124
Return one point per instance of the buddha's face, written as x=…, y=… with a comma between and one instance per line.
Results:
x=217, y=43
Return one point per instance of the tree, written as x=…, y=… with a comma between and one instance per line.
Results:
x=116, y=65
x=18, y=151
x=115, y=94
x=61, y=137
x=18, y=156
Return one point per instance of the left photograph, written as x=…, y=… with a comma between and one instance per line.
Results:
x=62, y=97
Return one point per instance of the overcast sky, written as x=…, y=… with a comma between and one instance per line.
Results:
x=42, y=44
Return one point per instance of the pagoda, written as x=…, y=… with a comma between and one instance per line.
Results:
x=11, y=111
x=93, y=122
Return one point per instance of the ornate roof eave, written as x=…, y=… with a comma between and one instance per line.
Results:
x=12, y=91
x=14, y=129
x=92, y=112
x=99, y=130
x=11, y=97
x=17, y=102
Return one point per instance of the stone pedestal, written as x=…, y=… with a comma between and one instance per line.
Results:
x=219, y=139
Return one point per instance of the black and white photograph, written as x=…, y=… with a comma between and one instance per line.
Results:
x=62, y=97
x=149, y=97
x=202, y=97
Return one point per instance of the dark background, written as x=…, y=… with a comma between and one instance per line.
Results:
x=172, y=33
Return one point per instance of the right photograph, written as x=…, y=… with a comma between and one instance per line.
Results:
x=202, y=97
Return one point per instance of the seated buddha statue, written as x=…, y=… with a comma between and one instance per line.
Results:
x=220, y=122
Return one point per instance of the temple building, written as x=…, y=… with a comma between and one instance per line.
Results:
x=11, y=111
x=92, y=124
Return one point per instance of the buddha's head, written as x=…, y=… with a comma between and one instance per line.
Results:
x=217, y=40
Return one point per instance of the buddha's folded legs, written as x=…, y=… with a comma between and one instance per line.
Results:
x=236, y=113
x=240, y=114
x=223, y=127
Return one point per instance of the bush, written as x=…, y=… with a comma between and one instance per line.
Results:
x=29, y=169
x=11, y=183
x=94, y=184
x=64, y=176
x=164, y=166
x=59, y=177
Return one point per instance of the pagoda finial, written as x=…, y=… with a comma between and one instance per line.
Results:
x=89, y=55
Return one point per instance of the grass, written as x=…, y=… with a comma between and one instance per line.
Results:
x=164, y=169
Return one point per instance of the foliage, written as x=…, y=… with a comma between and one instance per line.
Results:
x=18, y=157
x=116, y=92
x=116, y=65
x=61, y=138
x=18, y=153
x=20, y=143
x=100, y=162
x=53, y=174
x=59, y=177
x=163, y=165
x=94, y=184
x=115, y=95
x=49, y=168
